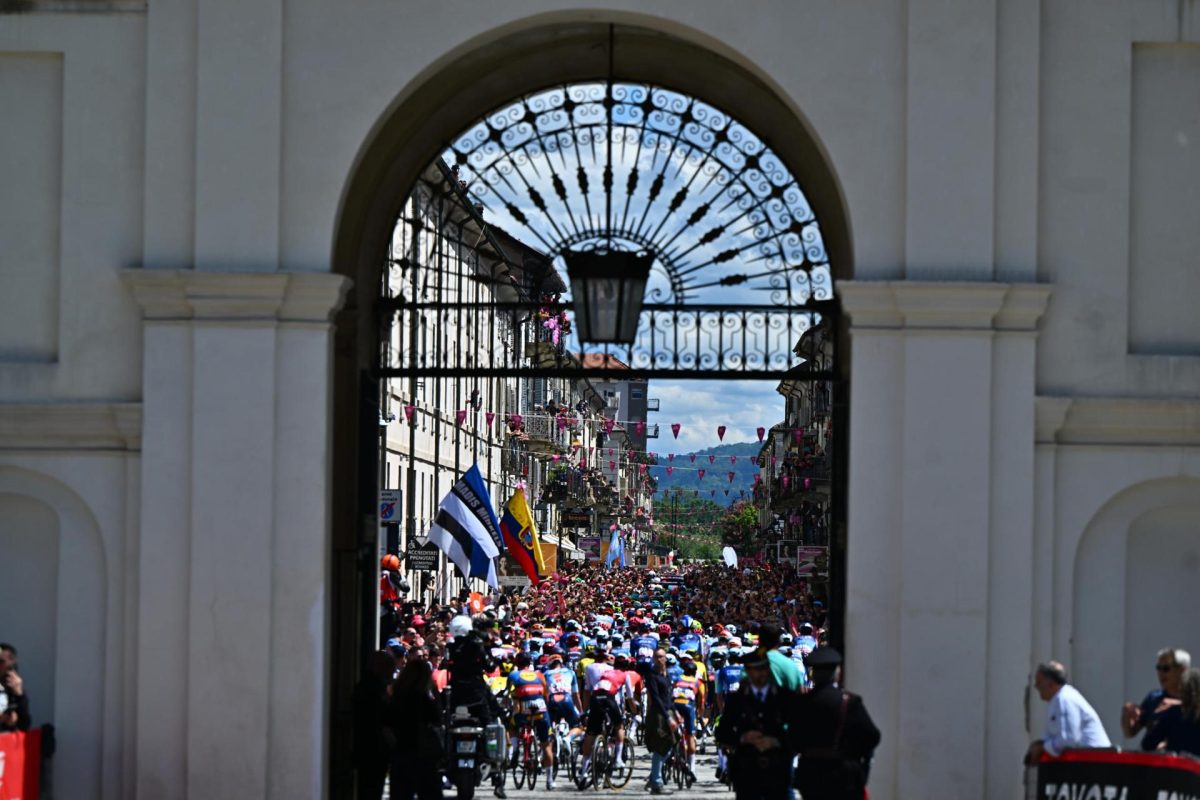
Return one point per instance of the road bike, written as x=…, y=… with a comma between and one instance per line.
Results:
x=602, y=772
x=566, y=750
x=526, y=763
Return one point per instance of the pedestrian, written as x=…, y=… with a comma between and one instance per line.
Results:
x=14, y=703
x=1178, y=728
x=1170, y=664
x=783, y=669
x=833, y=734
x=1071, y=722
x=754, y=729
x=662, y=729
x=415, y=720
x=373, y=740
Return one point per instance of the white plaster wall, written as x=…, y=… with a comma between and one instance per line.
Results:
x=983, y=141
x=84, y=498
x=91, y=226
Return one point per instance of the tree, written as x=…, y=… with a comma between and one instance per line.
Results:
x=739, y=524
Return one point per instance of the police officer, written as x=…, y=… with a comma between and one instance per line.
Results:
x=754, y=729
x=833, y=734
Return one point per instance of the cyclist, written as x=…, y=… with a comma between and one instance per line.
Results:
x=643, y=646
x=688, y=695
x=529, y=693
x=563, y=689
x=612, y=693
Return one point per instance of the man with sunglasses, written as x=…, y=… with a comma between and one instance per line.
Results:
x=1170, y=664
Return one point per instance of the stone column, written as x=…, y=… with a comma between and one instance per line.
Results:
x=940, y=528
x=232, y=629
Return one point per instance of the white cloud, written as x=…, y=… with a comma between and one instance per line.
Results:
x=700, y=406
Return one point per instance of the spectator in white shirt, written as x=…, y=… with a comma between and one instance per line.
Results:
x=1071, y=722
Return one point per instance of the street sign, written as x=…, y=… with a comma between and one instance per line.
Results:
x=389, y=505
x=575, y=518
x=424, y=557
x=420, y=539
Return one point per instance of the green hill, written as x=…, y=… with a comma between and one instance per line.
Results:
x=685, y=476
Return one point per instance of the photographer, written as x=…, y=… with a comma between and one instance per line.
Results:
x=14, y=703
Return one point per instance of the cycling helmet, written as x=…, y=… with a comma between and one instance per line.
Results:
x=697, y=625
x=460, y=626
x=601, y=636
x=686, y=619
x=572, y=640
x=672, y=660
x=572, y=625
x=718, y=659
x=664, y=629
x=785, y=638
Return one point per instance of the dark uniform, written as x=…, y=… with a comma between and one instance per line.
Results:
x=755, y=773
x=833, y=734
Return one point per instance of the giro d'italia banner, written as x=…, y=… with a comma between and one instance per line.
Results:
x=1109, y=775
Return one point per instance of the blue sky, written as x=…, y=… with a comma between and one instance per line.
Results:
x=700, y=406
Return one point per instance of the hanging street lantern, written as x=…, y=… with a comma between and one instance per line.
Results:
x=608, y=287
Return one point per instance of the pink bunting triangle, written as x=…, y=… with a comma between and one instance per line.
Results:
x=731, y=476
x=408, y=413
x=786, y=480
x=774, y=460
x=733, y=459
x=555, y=458
x=808, y=483
x=712, y=459
x=675, y=426
x=757, y=478
x=608, y=425
x=670, y=456
x=721, y=432
x=459, y=416
x=611, y=452
x=612, y=466
x=700, y=473
x=490, y=416
x=669, y=471
x=761, y=433
x=693, y=458
x=640, y=427
x=798, y=433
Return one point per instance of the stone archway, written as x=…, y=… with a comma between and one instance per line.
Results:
x=444, y=100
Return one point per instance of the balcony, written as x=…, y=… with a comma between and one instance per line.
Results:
x=652, y=431
x=544, y=435
x=652, y=404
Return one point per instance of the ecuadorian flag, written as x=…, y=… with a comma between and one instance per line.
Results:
x=521, y=537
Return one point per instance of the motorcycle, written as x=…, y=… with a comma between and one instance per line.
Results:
x=476, y=751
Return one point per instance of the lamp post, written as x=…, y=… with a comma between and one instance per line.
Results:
x=608, y=287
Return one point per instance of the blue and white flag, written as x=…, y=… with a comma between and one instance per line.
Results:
x=616, y=549
x=466, y=528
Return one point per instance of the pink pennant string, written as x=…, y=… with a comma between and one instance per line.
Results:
x=721, y=432
x=408, y=413
x=490, y=416
x=733, y=459
x=700, y=473
x=761, y=433
x=669, y=471
x=712, y=459
x=675, y=426
x=640, y=427
x=612, y=466
x=670, y=456
x=693, y=458
x=459, y=416
x=798, y=434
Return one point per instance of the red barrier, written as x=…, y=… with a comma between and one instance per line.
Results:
x=20, y=765
x=1104, y=774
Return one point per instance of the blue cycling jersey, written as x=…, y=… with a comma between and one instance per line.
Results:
x=729, y=678
x=643, y=648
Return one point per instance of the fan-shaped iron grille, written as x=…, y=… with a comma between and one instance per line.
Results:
x=740, y=269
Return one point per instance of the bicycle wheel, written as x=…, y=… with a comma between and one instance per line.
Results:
x=680, y=765
x=601, y=763
x=533, y=764
x=620, y=777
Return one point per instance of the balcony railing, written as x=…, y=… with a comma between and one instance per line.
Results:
x=652, y=431
x=652, y=404
x=544, y=434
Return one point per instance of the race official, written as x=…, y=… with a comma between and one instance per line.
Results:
x=833, y=734
x=754, y=729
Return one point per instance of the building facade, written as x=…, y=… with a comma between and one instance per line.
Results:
x=196, y=201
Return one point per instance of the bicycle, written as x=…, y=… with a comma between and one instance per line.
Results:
x=566, y=749
x=602, y=772
x=526, y=764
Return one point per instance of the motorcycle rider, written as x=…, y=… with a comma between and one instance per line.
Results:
x=469, y=658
